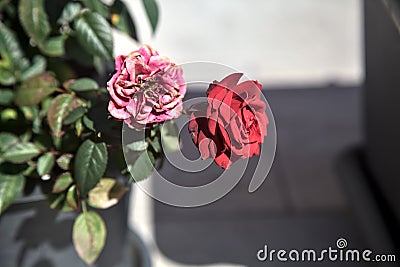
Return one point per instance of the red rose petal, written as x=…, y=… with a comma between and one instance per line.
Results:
x=223, y=161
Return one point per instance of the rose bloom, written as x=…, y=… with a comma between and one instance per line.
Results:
x=145, y=88
x=232, y=124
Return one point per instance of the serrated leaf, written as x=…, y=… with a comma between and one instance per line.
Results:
x=34, y=20
x=138, y=145
x=35, y=89
x=45, y=163
x=94, y=34
x=70, y=11
x=11, y=187
x=89, y=165
x=143, y=167
x=170, y=137
x=122, y=20
x=6, y=96
x=89, y=236
x=62, y=182
x=59, y=108
x=7, y=140
x=106, y=193
x=10, y=51
x=151, y=8
x=38, y=66
x=54, y=46
x=20, y=152
x=72, y=198
x=84, y=84
x=74, y=115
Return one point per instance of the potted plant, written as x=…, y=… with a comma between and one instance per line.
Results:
x=61, y=129
x=55, y=59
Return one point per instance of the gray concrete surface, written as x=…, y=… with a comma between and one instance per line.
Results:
x=302, y=204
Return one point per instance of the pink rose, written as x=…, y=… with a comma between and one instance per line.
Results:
x=145, y=88
x=232, y=124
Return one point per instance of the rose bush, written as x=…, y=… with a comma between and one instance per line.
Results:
x=54, y=134
x=232, y=124
x=146, y=88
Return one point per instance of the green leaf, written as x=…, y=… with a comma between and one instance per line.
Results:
x=37, y=120
x=96, y=6
x=84, y=84
x=138, y=145
x=89, y=236
x=54, y=46
x=170, y=137
x=7, y=140
x=45, y=106
x=88, y=123
x=43, y=141
x=28, y=171
x=28, y=113
x=59, y=108
x=94, y=34
x=59, y=201
x=72, y=198
x=8, y=114
x=35, y=89
x=10, y=51
x=75, y=115
x=89, y=165
x=11, y=187
x=70, y=11
x=38, y=66
x=152, y=12
x=106, y=193
x=21, y=152
x=122, y=20
x=64, y=161
x=6, y=76
x=78, y=127
x=34, y=20
x=25, y=137
x=45, y=163
x=143, y=166
x=156, y=144
x=76, y=52
x=62, y=182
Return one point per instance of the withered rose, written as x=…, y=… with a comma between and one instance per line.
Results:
x=146, y=88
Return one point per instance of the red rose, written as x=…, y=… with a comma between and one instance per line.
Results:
x=232, y=124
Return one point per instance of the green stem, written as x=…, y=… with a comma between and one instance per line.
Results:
x=84, y=208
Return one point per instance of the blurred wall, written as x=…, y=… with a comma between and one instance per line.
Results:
x=292, y=43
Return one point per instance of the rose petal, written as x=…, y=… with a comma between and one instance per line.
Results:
x=116, y=112
x=223, y=161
